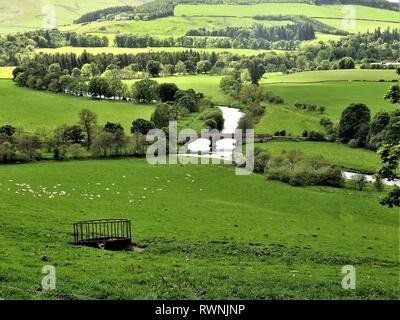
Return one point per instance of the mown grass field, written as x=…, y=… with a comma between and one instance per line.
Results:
x=361, y=160
x=206, y=234
x=330, y=75
x=334, y=89
x=30, y=109
x=24, y=15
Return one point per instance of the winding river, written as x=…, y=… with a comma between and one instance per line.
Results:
x=224, y=148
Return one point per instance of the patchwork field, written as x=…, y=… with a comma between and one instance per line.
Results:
x=367, y=18
x=23, y=15
x=31, y=109
x=361, y=160
x=197, y=241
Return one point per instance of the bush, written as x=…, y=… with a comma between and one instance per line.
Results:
x=260, y=161
x=378, y=184
x=76, y=151
x=353, y=143
x=359, y=182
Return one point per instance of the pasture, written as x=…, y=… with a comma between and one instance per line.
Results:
x=361, y=160
x=24, y=15
x=367, y=18
x=207, y=84
x=166, y=27
x=237, y=237
x=30, y=109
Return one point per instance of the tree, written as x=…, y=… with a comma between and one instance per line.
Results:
x=8, y=130
x=154, y=68
x=28, y=144
x=166, y=92
x=145, y=91
x=354, y=122
x=88, y=121
x=256, y=69
x=346, y=63
x=112, y=127
x=74, y=134
x=161, y=116
x=203, y=66
x=141, y=126
x=99, y=87
x=390, y=157
x=393, y=95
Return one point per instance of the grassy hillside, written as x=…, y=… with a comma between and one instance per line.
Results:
x=203, y=242
x=23, y=15
x=362, y=160
x=330, y=75
x=327, y=11
x=167, y=27
x=31, y=109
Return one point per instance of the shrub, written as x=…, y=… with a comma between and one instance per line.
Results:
x=260, y=161
x=359, y=182
x=76, y=151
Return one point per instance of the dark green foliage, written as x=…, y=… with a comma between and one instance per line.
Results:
x=141, y=126
x=166, y=92
x=354, y=123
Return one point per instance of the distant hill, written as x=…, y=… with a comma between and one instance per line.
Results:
x=23, y=15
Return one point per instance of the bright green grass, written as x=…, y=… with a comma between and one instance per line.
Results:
x=331, y=75
x=166, y=27
x=115, y=50
x=24, y=15
x=283, y=117
x=326, y=11
x=349, y=158
x=361, y=25
x=209, y=85
x=32, y=109
x=210, y=235
x=6, y=72
x=336, y=96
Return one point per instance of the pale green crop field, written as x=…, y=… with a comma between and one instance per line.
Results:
x=331, y=75
x=24, y=15
x=115, y=50
x=324, y=11
x=30, y=109
x=6, y=72
x=166, y=27
x=361, y=160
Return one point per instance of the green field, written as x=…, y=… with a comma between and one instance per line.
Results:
x=166, y=27
x=209, y=85
x=30, y=109
x=330, y=75
x=23, y=15
x=115, y=50
x=361, y=160
x=257, y=239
